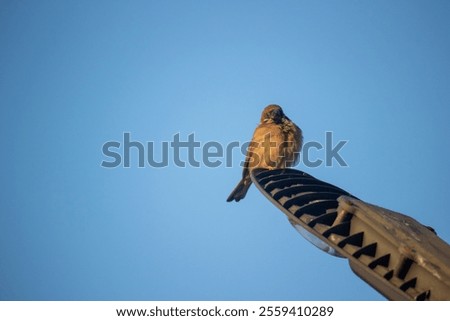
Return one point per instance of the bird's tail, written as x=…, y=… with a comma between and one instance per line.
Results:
x=240, y=190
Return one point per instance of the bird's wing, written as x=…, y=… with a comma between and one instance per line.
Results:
x=256, y=151
x=298, y=141
x=249, y=156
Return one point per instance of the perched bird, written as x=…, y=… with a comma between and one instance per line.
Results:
x=276, y=143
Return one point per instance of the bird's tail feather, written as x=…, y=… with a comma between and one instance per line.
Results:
x=239, y=191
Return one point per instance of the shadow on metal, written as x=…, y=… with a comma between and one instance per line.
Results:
x=399, y=257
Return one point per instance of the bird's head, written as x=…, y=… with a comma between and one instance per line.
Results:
x=272, y=113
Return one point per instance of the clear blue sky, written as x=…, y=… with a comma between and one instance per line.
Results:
x=76, y=74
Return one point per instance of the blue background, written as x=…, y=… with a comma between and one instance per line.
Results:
x=77, y=74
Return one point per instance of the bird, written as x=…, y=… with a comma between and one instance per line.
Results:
x=276, y=144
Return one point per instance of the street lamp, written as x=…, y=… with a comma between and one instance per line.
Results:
x=395, y=254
